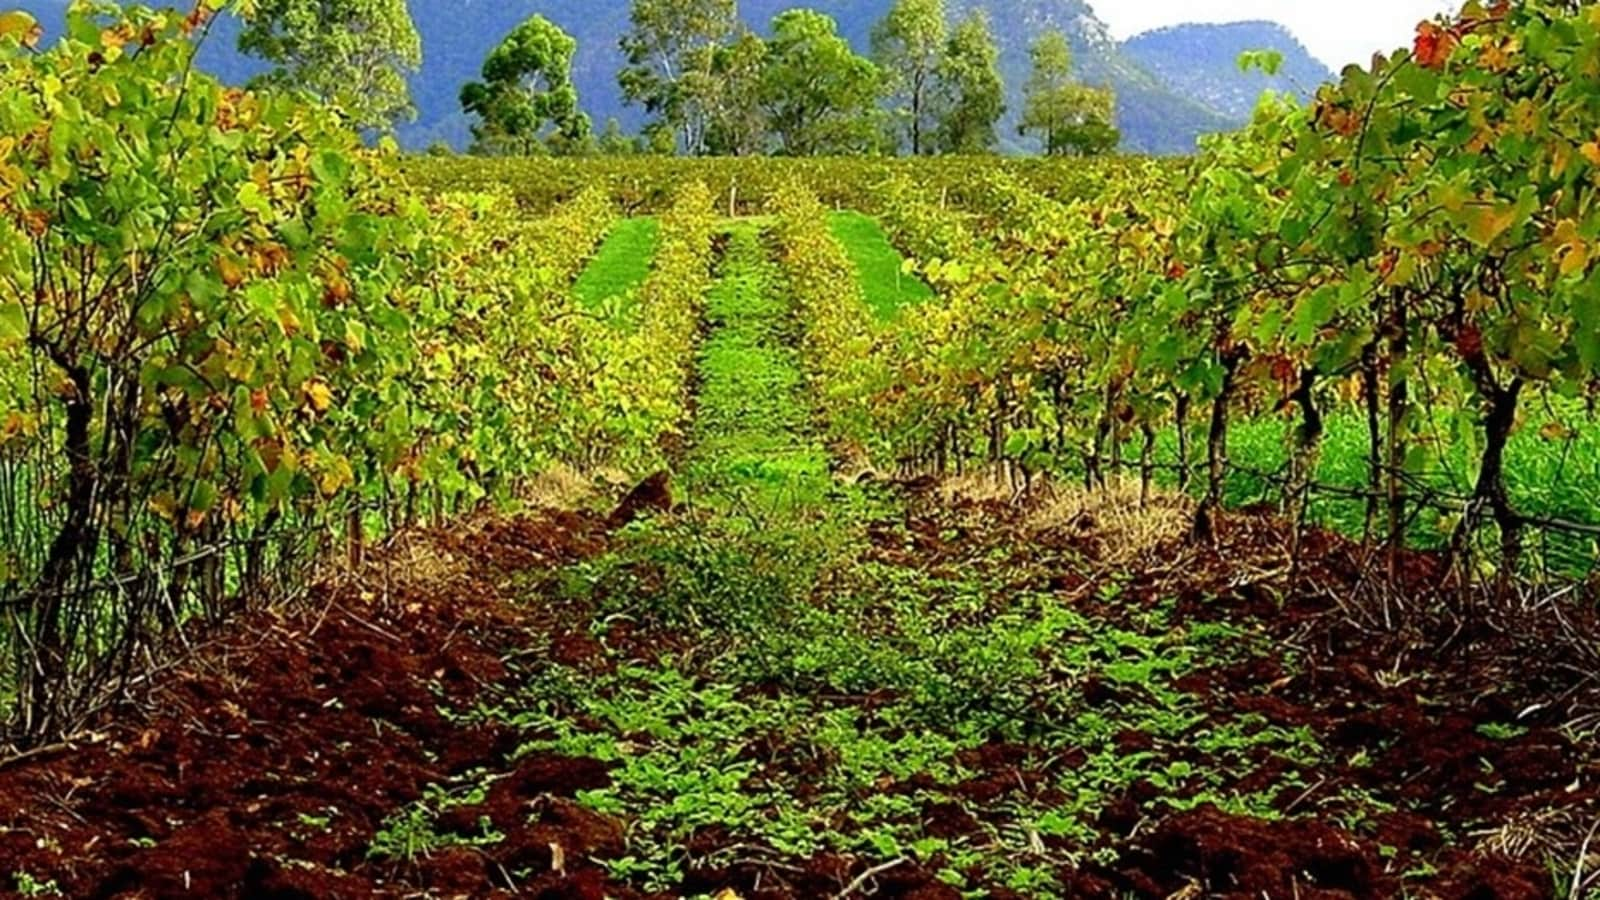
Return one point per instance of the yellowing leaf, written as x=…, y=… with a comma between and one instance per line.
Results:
x=164, y=506
x=319, y=395
x=1576, y=259
x=22, y=26
x=329, y=483
x=232, y=273
x=1489, y=224
x=335, y=477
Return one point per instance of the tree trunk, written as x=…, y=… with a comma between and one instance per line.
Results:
x=1146, y=463
x=1369, y=391
x=1490, y=490
x=1094, y=476
x=1303, y=466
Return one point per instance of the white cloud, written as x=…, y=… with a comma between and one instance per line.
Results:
x=1338, y=32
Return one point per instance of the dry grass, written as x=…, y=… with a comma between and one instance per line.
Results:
x=987, y=485
x=1123, y=523
x=421, y=559
x=562, y=486
x=1563, y=837
x=1126, y=525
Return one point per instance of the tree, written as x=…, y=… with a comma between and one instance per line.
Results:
x=971, y=90
x=736, y=125
x=656, y=139
x=1070, y=118
x=354, y=54
x=908, y=46
x=819, y=95
x=526, y=91
x=613, y=142
x=670, y=59
x=576, y=138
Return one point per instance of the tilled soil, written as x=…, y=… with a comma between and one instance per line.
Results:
x=265, y=766
x=294, y=737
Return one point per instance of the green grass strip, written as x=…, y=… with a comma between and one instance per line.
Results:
x=622, y=263
x=877, y=264
x=752, y=427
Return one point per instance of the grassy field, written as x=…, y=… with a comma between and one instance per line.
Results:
x=622, y=262
x=878, y=263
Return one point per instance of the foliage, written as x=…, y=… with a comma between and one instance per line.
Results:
x=612, y=142
x=818, y=94
x=28, y=886
x=354, y=53
x=1071, y=118
x=671, y=50
x=730, y=92
x=971, y=92
x=241, y=334
x=526, y=89
x=410, y=833
x=909, y=46
x=211, y=293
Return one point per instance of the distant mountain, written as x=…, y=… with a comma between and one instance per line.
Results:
x=1201, y=62
x=1172, y=85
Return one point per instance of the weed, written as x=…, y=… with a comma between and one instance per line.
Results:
x=29, y=886
x=410, y=833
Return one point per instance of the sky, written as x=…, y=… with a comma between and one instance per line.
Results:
x=1338, y=33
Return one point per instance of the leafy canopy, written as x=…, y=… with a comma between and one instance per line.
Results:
x=971, y=91
x=355, y=54
x=1070, y=118
x=820, y=96
x=670, y=55
x=526, y=91
x=908, y=46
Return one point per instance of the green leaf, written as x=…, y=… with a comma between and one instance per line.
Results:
x=252, y=200
x=13, y=321
x=331, y=168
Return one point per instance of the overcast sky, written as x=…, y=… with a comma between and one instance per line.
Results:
x=1338, y=33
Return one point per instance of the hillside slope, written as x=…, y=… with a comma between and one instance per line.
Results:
x=1201, y=62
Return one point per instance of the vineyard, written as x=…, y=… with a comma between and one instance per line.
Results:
x=762, y=528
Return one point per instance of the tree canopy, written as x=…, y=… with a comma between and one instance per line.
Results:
x=819, y=94
x=1072, y=119
x=526, y=92
x=908, y=46
x=671, y=51
x=971, y=93
x=355, y=54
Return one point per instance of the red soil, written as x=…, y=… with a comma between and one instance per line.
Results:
x=329, y=715
x=293, y=738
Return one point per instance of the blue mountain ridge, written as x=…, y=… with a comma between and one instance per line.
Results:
x=1172, y=85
